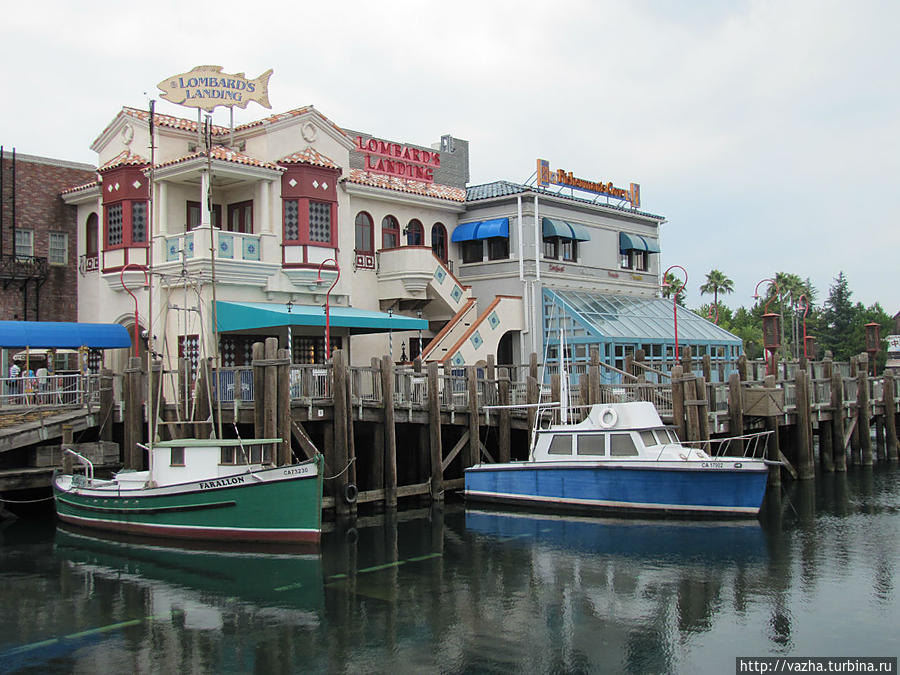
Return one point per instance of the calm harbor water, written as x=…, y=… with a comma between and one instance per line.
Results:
x=460, y=590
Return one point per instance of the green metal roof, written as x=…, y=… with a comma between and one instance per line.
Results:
x=619, y=317
x=253, y=315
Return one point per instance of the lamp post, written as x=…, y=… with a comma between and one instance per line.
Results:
x=873, y=343
x=678, y=289
x=327, y=301
x=771, y=324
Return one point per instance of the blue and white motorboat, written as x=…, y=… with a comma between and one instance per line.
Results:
x=622, y=457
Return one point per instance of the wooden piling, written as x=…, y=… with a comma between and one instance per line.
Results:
x=706, y=367
x=532, y=396
x=691, y=408
x=862, y=406
x=700, y=391
x=890, y=420
x=259, y=388
x=68, y=439
x=687, y=361
x=736, y=410
x=474, y=455
x=838, y=445
x=678, y=402
x=434, y=433
x=341, y=450
x=503, y=453
x=774, y=445
x=107, y=405
x=389, y=478
x=270, y=416
x=594, y=371
x=134, y=417
x=283, y=405
x=742, y=367
x=805, y=462
x=826, y=427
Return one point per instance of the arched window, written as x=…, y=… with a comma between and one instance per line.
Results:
x=92, y=236
x=415, y=233
x=439, y=241
x=390, y=232
x=364, y=227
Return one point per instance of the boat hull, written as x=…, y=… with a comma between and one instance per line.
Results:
x=282, y=504
x=731, y=488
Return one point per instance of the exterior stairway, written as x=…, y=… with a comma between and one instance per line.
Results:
x=469, y=337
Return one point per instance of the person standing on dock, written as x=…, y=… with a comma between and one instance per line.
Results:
x=13, y=387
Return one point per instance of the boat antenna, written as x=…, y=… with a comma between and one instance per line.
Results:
x=151, y=416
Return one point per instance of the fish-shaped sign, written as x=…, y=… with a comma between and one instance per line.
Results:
x=207, y=87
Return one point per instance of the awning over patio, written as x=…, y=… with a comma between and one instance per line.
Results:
x=52, y=334
x=234, y=316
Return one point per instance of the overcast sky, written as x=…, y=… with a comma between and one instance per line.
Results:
x=765, y=132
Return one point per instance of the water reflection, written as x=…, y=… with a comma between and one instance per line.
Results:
x=451, y=590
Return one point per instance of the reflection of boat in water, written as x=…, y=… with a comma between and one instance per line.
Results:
x=669, y=539
x=196, y=577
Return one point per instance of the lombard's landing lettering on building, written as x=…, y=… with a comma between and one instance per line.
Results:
x=207, y=87
x=561, y=177
x=394, y=159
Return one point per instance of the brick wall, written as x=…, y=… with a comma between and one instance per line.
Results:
x=39, y=208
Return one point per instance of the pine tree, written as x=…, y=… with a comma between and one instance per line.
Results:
x=841, y=317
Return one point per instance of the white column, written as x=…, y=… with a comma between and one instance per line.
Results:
x=264, y=196
x=161, y=209
x=204, y=199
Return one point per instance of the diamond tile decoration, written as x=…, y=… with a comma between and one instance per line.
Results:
x=251, y=249
x=136, y=184
x=458, y=360
x=226, y=245
x=324, y=186
x=292, y=182
x=493, y=320
x=109, y=189
x=440, y=274
x=117, y=187
x=315, y=183
x=476, y=339
x=456, y=293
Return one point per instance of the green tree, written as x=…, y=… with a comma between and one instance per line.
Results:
x=840, y=317
x=672, y=285
x=716, y=282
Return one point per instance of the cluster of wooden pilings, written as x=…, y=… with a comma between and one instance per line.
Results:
x=389, y=432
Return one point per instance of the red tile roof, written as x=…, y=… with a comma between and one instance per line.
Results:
x=125, y=158
x=308, y=156
x=224, y=154
x=435, y=190
x=81, y=188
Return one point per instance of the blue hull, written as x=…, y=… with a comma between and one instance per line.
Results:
x=643, y=489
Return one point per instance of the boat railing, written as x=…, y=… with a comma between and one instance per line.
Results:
x=748, y=446
x=88, y=477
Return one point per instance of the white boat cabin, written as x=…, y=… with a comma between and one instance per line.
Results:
x=613, y=431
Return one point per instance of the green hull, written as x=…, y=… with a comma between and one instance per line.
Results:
x=283, y=504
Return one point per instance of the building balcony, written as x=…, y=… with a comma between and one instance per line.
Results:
x=405, y=272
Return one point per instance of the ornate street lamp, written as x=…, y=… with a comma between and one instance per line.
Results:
x=327, y=301
x=678, y=289
x=771, y=327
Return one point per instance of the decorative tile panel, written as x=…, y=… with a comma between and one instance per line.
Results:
x=493, y=320
x=440, y=274
x=476, y=340
x=457, y=360
x=456, y=293
x=250, y=247
x=226, y=245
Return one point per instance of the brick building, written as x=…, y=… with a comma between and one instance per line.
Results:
x=38, y=260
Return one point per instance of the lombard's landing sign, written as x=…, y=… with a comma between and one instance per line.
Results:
x=207, y=87
x=560, y=177
x=398, y=160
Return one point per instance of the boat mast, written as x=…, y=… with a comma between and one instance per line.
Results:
x=212, y=263
x=151, y=413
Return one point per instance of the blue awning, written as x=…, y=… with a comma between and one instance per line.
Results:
x=63, y=335
x=635, y=242
x=564, y=230
x=483, y=229
x=234, y=316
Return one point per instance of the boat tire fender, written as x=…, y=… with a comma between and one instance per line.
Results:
x=607, y=418
x=350, y=493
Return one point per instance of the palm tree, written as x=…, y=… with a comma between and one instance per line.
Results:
x=672, y=285
x=716, y=282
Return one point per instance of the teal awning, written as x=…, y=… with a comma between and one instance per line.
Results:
x=483, y=229
x=635, y=242
x=564, y=230
x=234, y=316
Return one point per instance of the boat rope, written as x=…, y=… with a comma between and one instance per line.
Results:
x=353, y=459
x=26, y=501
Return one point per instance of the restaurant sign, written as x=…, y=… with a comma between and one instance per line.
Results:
x=207, y=87
x=547, y=177
x=398, y=160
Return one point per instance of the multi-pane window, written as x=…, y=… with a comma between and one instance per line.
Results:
x=291, y=220
x=240, y=217
x=439, y=241
x=138, y=222
x=551, y=248
x=569, y=249
x=320, y=222
x=311, y=350
x=390, y=232
x=634, y=260
x=415, y=233
x=114, y=225
x=472, y=251
x=364, y=232
x=498, y=248
x=58, y=250
x=194, y=215
x=24, y=243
